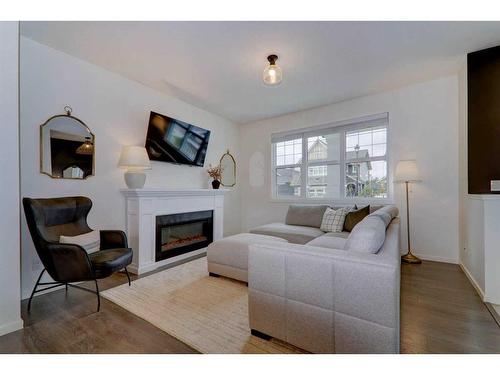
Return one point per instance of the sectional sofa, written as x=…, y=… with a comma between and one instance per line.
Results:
x=322, y=292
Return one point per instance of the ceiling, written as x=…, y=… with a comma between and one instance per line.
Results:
x=218, y=65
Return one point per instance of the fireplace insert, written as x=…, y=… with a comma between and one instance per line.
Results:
x=181, y=233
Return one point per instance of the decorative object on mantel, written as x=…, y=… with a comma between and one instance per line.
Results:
x=407, y=171
x=66, y=147
x=215, y=173
x=135, y=159
x=228, y=170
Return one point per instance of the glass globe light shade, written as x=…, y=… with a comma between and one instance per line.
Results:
x=272, y=73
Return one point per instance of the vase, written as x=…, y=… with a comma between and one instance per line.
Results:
x=215, y=184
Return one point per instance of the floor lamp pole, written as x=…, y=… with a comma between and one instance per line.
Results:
x=409, y=257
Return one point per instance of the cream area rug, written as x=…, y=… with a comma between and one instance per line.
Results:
x=210, y=314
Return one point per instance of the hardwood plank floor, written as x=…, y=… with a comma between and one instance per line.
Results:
x=440, y=313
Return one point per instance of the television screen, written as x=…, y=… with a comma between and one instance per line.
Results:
x=175, y=141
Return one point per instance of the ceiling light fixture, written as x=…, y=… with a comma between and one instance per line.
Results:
x=272, y=74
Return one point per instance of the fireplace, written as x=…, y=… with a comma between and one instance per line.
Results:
x=181, y=233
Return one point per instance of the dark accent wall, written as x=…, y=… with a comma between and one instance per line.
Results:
x=483, y=79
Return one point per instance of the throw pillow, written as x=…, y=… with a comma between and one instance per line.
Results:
x=333, y=220
x=367, y=237
x=355, y=216
x=90, y=241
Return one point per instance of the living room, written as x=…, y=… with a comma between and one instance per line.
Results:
x=250, y=186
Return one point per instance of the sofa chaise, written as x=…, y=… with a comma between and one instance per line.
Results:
x=335, y=293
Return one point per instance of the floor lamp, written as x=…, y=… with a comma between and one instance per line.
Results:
x=407, y=172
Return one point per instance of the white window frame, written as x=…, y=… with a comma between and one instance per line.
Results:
x=341, y=127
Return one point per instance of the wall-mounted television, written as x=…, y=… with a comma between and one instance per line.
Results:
x=175, y=141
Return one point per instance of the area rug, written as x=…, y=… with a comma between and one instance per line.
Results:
x=209, y=314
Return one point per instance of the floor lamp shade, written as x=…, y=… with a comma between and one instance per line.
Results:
x=135, y=159
x=407, y=172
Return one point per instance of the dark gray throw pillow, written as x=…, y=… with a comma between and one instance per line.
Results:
x=308, y=216
x=354, y=217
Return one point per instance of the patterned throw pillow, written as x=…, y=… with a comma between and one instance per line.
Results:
x=333, y=220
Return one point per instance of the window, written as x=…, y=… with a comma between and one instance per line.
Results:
x=337, y=161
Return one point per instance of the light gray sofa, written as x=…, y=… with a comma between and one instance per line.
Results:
x=302, y=224
x=334, y=294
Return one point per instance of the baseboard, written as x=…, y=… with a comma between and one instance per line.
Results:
x=493, y=312
x=436, y=258
x=472, y=281
x=11, y=327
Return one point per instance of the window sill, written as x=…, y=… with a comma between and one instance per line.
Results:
x=374, y=201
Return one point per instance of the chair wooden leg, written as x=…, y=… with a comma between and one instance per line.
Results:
x=34, y=289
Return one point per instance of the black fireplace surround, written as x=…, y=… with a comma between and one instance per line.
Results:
x=182, y=233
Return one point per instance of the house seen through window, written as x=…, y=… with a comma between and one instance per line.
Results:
x=334, y=162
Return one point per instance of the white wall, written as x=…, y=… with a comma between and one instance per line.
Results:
x=117, y=111
x=423, y=124
x=472, y=255
x=10, y=281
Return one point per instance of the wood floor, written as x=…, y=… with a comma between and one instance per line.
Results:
x=440, y=313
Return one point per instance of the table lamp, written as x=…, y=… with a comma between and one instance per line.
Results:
x=135, y=159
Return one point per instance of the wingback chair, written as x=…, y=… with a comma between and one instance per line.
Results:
x=47, y=220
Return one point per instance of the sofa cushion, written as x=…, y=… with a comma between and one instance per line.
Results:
x=330, y=241
x=106, y=262
x=233, y=250
x=333, y=220
x=298, y=234
x=368, y=236
x=355, y=216
x=386, y=214
x=308, y=216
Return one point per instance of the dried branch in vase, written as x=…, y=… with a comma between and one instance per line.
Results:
x=215, y=172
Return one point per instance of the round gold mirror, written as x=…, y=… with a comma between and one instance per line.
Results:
x=228, y=165
x=66, y=147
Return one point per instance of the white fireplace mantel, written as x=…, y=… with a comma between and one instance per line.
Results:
x=142, y=207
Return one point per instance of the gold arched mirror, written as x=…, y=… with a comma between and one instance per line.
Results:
x=66, y=147
x=228, y=165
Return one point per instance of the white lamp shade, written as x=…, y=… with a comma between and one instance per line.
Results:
x=407, y=171
x=134, y=157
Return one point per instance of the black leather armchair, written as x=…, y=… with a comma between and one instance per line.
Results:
x=47, y=220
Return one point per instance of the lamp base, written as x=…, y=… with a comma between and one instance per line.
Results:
x=135, y=179
x=410, y=258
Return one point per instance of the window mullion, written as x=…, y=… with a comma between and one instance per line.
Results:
x=342, y=164
x=287, y=166
x=323, y=162
x=303, y=169
x=362, y=160
x=274, y=188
